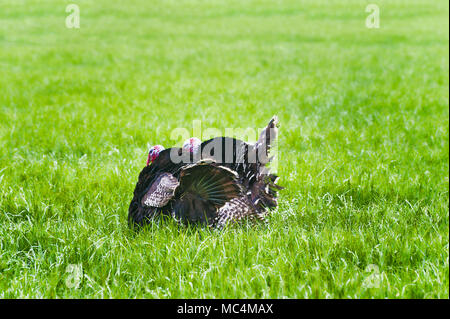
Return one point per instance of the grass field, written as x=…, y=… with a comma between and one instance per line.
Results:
x=363, y=147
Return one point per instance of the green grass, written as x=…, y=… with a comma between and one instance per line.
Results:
x=363, y=148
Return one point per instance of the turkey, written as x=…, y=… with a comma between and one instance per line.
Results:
x=189, y=192
x=215, y=182
x=251, y=163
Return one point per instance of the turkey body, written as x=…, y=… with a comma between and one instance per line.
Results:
x=188, y=192
x=228, y=181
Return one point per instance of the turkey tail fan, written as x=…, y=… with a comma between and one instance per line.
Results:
x=204, y=188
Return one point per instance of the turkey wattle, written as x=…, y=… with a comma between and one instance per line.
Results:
x=192, y=145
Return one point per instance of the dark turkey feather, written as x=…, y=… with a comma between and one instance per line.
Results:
x=266, y=140
x=204, y=188
x=139, y=213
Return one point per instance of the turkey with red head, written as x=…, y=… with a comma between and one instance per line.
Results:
x=189, y=192
x=251, y=163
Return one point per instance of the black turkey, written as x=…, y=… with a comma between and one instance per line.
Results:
x=189, y=192
x=251, y=163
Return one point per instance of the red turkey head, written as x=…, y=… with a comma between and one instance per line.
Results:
x=153, y=153
x=192, y=145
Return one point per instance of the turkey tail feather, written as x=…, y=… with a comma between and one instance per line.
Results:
x=267, y=139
